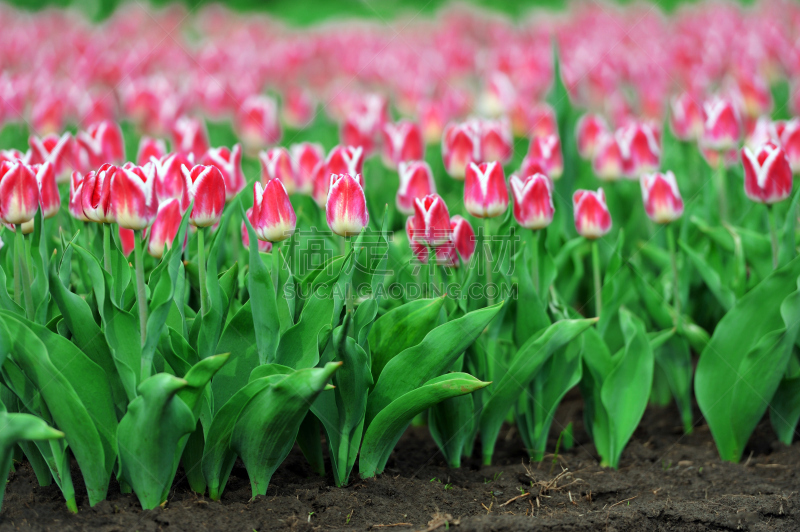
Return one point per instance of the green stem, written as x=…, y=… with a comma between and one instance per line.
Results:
x=107, y=248
x=535, y=267
x=26, y=276
x=141, y=298
x=598, y=286
x=488, y=256
x=201, y=267
x=17, y=273
x=349, y=294
x=721, y=190
x=673, y=253
x=773, y=234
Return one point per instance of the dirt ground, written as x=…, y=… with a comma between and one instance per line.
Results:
x=666, y=481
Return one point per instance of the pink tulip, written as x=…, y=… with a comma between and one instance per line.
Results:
x=346, y=207
x=588, y=132
x=546, y=153
x=686, y=117
x=722, y=128
x=165, y=227
x=169, y=177
x=133, y=200
x=485, y=190
x=76, y=197
x=206, y=187
x=274, y=218
x=661, y=197
x=305, y=157
x=640, y=149
x=497, y=141
x=263, y=245
x=257, y=124
x=150, y=147
x=461, y=145
x=127, y=239
x=101, y=144
x=229, y=163
x=298, y=109
x=321, y=182
x=416, y=181
x=345, y=160
x=402, y=142
x=533, y=201
x=789, y=137
x=189, y=136
x=49, y=198
x=767, y=174
x=276, y=163
x=592, y=219
x=58, y=150
x=96, y=194
x=432, y=221
x=19, y=193
x=463, y=237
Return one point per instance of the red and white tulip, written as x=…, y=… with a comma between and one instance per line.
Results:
x=276, y=163
x=416, y=181
x=545, y=152
x=402, y=141
x=485, y=190
x=19, y=193
x=592, y=219
x=461, y=145
x=229, y=163
x=305, y=157
x=431, y=221
x=165, y=227
x=133, y=199
x=273, y=217
x=533, y=201
x=206, y=187
x=346, y=207
x=661, y=196
x=767, y=174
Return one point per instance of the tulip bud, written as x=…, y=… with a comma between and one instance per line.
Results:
x=263, y=245
x=150, y=147
x=206, y=186
x=402, y=142
x=322, y=180
x=345, y=160
x=298, y=108
x=133, y=201
x=722, y=128
x=19, y=193
x=305, y=156
x=533, y=201
x=58, y=150
x=592, y=219
x=661, y=197
x=274, y=219
x=463, y=237
x=189, y=136
x=165, y=227
x=346, y=207
x=229, y=163
x=608, y=162
x=127, y=239
x=767, y=174
x=497, y=142
x=485, y=190
x=76, y=197
x=49, y=198
x=169, y=177
x=686, y=118
x=416, y=181
x=790, y=142
x=96, y=194
x=546, y=152
x=588, y=132
x=101, y=144
x=277, y=164
x=359, y=129
x=461, y=145
x=640, y=149
x=432, y=221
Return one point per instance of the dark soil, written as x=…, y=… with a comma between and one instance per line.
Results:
x=667, y=481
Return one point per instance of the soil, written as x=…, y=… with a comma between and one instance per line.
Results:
x=666, y=481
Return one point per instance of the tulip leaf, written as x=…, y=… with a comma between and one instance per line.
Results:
x=386, y=428
x=238, y=339
x=6, y=302
x=40, y=290
x=788, y=243
x=785, y=405
x=675, y=360
x=725, y=296
x=212, y=322
x=451, y=423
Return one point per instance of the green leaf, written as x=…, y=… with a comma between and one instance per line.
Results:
x=212, y=322
x=785, y=405
x=724, y=295
x=451, y=424
x=386, y=428
x=239, y=340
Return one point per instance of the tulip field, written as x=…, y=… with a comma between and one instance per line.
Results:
x=242, y=262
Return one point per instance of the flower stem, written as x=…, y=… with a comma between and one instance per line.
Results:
x=107, y=248
x=535, y=267
x=17, y=273
x=201, y=260
x=773, y=234
x=721, y=191
x=488, y=255
x=598, y=285
x=141, y=298
x=349, y=294
x=25, y=274
x=673, y=253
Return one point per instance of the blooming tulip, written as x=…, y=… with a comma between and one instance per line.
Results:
x=463, y=237
x=206, y=186
x=401, y=142
x=100, y=144
x=461, y=145
x=229, y=163
x=686, y=117
x=165, y=227
x=276, y=163
x=485, y=191
x=263, y=245
x=305, y=157
x=133, y=201
x=588, y=132
x=767, y=174
x=722, y=128
x=169, y=177
x=274, y=219
x=345, y=160
x=661, y=197
x=432, y=220
x=58, y=150
x=640, y=149
x=533, y=201
x=546, y=153
x=592, y=219
x=346, y=207
x=416, y=181
x=150, y=147
x=189, y=136
x=96, y=194
x=49, y=198
x=497, y=142
x=608, y=162
x=19, y=193
x=76, y=197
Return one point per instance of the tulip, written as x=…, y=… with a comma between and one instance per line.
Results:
x=97, y=194
x=14, y=155
x=589, y=131
x=256, y=123
x=274, y=219
x=419, y=250
x=461, y=145
x=346, y=207
x=402, y=142
x=463, y=237
x=764, y=130
x=538, y=120
x=445, y=253
x=432, y=221
x=133, y=201
x=497, y=142
x=767, y=174
x=206, y=187
x=662, y=199
x=48, y=112
x=49, y=198
x=608, y=162
x=189, y=136
x=321, y=182
x=76, y=197
x=102, y=143
x=298, y=108
x=359, y=129
x=485, y=190
x=165, y=227
x=640, y=149
x=533, y=201
x=169, y=177
x=276, y=163
x=150, y=147
x=754, y=94
x=305, y=157
x=58, y=150
x=416, y=181
x=686, y=118
x=263, y=245
x=790, y=142
x=546, y=152
x=592, y=219
x=722, y=128
x=19, y=193
x=229, y=163
x=432, y=117
x=345, y=160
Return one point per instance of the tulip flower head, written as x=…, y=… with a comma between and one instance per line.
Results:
x=133, y=200
x=463, y=237
x=767, y=174
x=263, y=245
x=686, y=117
x=592, y=219
x=58, y=150
x=76, y=197
x=461, y=145
x=432, y=221
x=165, y=227
x=305, y=156
x=276, y=163
x=497, y=141
x=189, y=136
x=640, y=149
x=346, y=207
x=257, y=123
x=588, y=132
x=19, y=193
x=545, y=151
x=101, y=144
x=150, y=147
x=273, y=216
x=206, y=187
x=416, y=181
x=401, y=142
x=127, y=240
x=485, y=190
x=662, y=199
x=722, y=128
x=609, y=162
x=229, y=163
x=96, y=194
x=49, y=198
x=345, y=160
x=533, y=201
x=790, y=142
x=169, y=176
